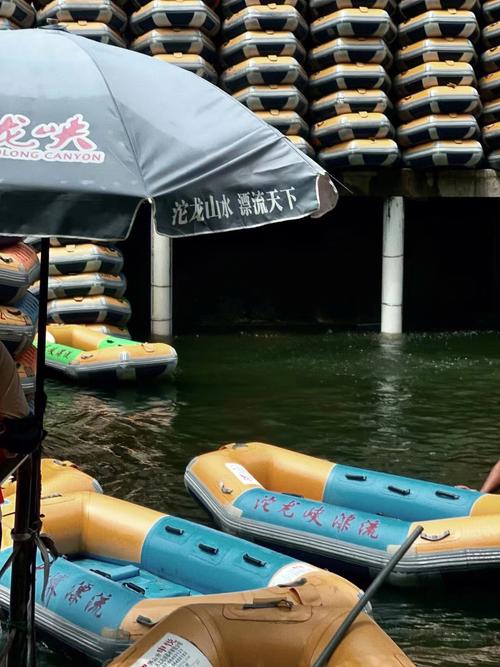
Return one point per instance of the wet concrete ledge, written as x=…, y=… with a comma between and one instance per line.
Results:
x=420, y=184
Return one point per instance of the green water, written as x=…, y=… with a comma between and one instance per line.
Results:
x=425, y=406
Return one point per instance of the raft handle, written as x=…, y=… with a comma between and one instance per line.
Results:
x=435, y=538
x=397, y=489
x=254, y=561
x=208, y=549
x=101, y=573
x=448, y=495
x=145, y=620
x=269, y=604
x=174, y=530
x=355, y=478
x=134, y=587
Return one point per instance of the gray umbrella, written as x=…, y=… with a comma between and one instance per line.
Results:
x=89, y=131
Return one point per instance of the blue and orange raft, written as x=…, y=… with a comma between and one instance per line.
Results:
x=344, y=516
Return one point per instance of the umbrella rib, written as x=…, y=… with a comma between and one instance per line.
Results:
x=131, y=144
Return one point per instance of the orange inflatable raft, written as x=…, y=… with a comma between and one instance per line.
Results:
x=82, y=354
x=346, y=516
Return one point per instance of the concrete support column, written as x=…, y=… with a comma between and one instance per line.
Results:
x=392, y=266
x=161, y=286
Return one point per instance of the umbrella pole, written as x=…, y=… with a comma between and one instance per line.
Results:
x=21, y=641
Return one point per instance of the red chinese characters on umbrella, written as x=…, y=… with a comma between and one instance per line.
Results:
x=68, y=141
x=12, y=131
x=73, y=131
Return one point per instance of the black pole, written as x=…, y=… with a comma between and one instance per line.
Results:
x=21, y=639
x=334, y=642
x=9, y=466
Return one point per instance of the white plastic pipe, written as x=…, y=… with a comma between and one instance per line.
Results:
x=161, y=286
x=392, y=266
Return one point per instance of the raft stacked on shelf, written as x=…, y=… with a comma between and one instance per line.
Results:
x=436, y=85
x=179, y=32
x=16, y=14
x=489, y=84
x=102, y=20
x=349, y=83
x=86, y=287
x=19, y=268
x=264, y=56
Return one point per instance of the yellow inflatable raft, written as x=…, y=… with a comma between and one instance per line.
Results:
x=192, y=62
x=371, y=50
x=89, y=309
x=100, y=11
x=175, y=40
x=265, y=17
x=259, y=44
x=267, y=98
x=18, y=11
x=57, y=477
x=370, y=153
x=82, y=354
x=84, y=258
x=302, y=144
x=347, y=516
x=126, y=567
x=19, y=267
x=26, y=370
x=100, y=32
x=350, y=101
x=268, y=70
x=287, y=122
x=291, y=628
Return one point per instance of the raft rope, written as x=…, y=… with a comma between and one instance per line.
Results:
x=45, y=546
x=49, y=554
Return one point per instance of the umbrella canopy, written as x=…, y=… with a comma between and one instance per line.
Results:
x=89, y=131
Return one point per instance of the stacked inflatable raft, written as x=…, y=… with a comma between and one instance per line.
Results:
x=87, y=288
x=263, y=58
x=102, y=20
x=179, y=32
x=349, y=83
x=489, y=84
x=16, y=14
x=19, y=268
x=438, y=101
x=127, y=568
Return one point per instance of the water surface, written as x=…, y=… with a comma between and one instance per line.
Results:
x=425, y=405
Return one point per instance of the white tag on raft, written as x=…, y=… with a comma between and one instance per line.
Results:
x=172, y=651
x=242, y=474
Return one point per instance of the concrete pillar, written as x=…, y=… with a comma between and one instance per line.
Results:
x=392, y=266
x=161, y=286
